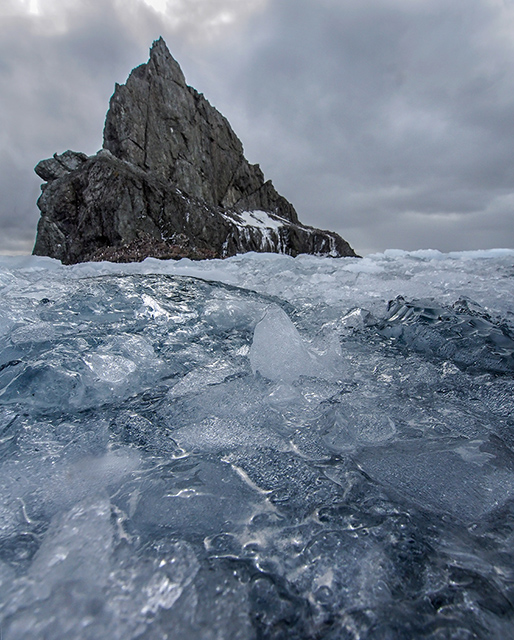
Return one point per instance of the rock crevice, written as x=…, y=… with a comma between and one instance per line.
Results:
x=171, y=181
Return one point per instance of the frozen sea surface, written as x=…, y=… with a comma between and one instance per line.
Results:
x=261, y=447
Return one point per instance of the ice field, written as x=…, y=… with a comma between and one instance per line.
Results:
x=258, y=448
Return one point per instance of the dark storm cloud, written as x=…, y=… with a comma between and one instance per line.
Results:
x=55, y=85
x=386, y=115
x=57, y=73
x=390, y=121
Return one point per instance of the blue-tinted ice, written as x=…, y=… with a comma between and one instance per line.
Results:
x=262, y=447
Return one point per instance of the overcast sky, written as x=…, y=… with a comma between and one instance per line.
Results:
x=389, y=121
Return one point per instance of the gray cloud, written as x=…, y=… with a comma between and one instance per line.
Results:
x=389, y=121
x=386, y=115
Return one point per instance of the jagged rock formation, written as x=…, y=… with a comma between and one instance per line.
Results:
x=171, y=181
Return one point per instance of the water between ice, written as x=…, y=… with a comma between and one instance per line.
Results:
x=263, y=447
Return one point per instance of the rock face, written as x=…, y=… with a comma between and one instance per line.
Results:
x=171, y=181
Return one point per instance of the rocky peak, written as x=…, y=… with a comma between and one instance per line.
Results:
x=160, y=124
x=171, y=178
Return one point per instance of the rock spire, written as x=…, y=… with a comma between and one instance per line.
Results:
x=171, y=181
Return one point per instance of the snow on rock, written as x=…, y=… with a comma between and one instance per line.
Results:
x=260, y=219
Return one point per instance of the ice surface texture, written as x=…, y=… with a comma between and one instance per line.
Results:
x=262, y=447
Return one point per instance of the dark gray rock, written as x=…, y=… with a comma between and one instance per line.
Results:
x=171, y=181
x=60, y=165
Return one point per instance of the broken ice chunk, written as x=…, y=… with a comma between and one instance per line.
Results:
x=278, y=351
x=110, y=368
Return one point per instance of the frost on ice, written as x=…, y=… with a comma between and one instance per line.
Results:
x=261, y=447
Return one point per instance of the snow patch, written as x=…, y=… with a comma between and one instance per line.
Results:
x=257, y=219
